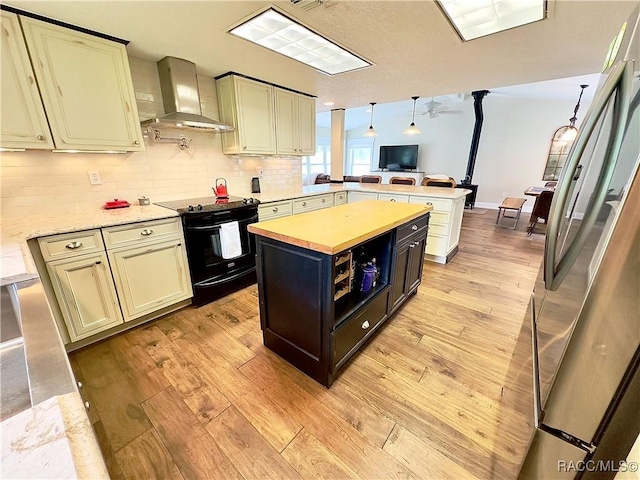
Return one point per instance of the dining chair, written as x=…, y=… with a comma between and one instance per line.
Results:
x=438, y=182
x=540, y=210
x=371, y=179
x=550, y=184
x=402, y=180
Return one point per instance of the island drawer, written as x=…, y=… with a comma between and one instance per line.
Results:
x=70, y=244
x=340, y=198
x=409, y=228
x=438, y=204
x=393, y=198
x=269, y=211
x=308, y=204
x=140, y=233
x=352, y=333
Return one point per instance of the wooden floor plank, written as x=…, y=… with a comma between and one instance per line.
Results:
x=146, y=457
x=311, y=459
x=193, y=450
x=252, y=455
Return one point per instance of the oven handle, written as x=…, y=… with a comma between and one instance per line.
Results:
x=209, y=228
x=226, y=279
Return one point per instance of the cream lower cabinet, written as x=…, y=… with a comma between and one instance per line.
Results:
x=354, y=196
x=150, y=277
x=84, y=289
x=149, y=264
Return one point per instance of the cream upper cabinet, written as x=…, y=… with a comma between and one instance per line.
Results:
x=86, y=88
x=248, y=106
x=295, y=123
x=23, y=122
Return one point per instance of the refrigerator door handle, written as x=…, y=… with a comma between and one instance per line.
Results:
x=538, y=412
x=621, y=79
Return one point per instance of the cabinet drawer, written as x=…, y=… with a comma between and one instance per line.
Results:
x=436, y=245
x=411, y=227
x=393, y=198
x=312, y=203
x=70, y=244
x=438, y=204
x=441, y=218
x=340, y=198
x=273, y=210
x=438, y=229
x=348, y=337
x=140, y=233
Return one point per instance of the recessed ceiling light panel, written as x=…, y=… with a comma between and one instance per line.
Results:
x=275, y=31
x=477, y=18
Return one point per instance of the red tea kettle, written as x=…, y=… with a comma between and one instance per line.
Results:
x=220, y=188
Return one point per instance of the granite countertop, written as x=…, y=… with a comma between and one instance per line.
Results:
x=16, y=260
x=439, y=192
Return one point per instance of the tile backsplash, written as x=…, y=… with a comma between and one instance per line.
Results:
x=55, y=182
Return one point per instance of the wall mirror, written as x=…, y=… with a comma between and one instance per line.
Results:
x=558, y=152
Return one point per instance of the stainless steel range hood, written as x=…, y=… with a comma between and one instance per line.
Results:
x=181, y=99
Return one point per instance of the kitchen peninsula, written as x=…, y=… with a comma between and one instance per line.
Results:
x=316, y=308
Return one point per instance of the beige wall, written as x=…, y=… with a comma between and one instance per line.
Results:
x=52, y=182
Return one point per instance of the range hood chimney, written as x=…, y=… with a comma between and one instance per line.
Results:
x=179, y=85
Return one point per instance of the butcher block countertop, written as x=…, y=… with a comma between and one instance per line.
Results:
x=333, y=230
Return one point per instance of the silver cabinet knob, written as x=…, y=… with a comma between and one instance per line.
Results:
x=73, y=245
x=414, y=227
x=136, y=142
x=365, y=324
x=429, y=203
x=87, y=405
x=324, y=200
x=244, y=148
x=304, y=204
x=40, y=137
x=392, y=200
x=275, y=209
x=79, y=384
x=146, y=232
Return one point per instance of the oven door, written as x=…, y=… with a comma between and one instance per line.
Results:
x=202, y=232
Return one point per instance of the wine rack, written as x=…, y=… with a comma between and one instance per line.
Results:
x=343, y=274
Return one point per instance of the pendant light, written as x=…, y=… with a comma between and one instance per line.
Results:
x=412, y=130
x=571, y=131
x=371, y=131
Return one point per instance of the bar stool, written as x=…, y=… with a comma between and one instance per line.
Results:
x=510, y=204
x=402, y=180
x=370, y=179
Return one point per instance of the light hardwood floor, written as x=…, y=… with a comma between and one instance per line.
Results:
x=443, y=391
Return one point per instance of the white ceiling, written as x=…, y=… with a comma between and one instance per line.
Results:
x=413, y=47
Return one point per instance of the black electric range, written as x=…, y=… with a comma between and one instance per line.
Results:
x=215, y=273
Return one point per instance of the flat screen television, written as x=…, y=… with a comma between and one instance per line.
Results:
x=398, y=157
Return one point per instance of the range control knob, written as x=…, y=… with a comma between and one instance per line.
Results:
x=199, y=207
x=190, y=208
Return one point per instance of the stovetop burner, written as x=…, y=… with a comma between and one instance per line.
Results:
x=208, y=204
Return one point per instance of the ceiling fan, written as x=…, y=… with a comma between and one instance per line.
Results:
x=434, y=110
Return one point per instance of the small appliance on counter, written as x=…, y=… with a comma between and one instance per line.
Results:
x=116, y=204
x=144, y=201
x=220, y=188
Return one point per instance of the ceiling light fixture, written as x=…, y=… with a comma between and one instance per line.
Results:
x=413, y=130
x=571, y=132
x=477, y=18
x=282, y=34
x=371, y=131
x=329, y=104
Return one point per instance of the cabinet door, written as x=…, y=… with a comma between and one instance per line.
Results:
x=306, y=125
x=359, y=196
x=399, y=277
x=86, y=88
x=255, y=116
x=286, y=122
x=415, y=264
x=86, y=294
x=24, y=124
x=150, y=277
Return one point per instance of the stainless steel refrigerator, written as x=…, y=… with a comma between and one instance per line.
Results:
x=585, y=308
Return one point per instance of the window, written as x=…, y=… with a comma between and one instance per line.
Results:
x=359, y=156
x=321, y=161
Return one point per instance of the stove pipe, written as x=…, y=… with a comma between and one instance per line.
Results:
x=478, y=95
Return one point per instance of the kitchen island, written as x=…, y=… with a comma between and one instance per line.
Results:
x=318, y=304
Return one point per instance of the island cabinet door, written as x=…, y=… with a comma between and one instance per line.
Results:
x=415, y=263
x=399, y=277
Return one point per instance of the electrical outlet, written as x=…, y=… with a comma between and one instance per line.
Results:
x=260, y=172
x=504, y=194
x=94, y=177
